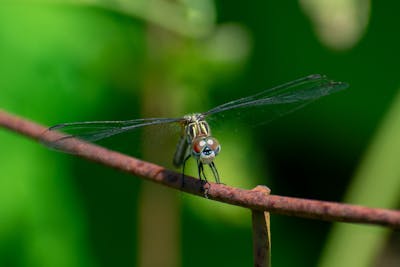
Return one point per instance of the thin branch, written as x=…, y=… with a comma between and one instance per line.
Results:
x=261, y=234
x=253, y=199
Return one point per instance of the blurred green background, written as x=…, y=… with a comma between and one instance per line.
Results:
x=75, y=60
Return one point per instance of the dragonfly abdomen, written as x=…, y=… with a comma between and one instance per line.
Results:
x=180, y=152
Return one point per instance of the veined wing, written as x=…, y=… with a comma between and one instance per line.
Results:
x=294, y=94
x=96, y=130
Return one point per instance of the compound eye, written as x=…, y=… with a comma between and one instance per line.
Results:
x=213, y=143
x=199, y=144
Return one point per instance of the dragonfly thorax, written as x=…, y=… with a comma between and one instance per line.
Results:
x=195, y=126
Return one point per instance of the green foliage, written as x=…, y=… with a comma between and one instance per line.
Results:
x=78, y=60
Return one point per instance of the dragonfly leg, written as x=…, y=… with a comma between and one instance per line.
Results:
x=215, y=172
x=183, y=170
x=202, y=176
x=200, y=168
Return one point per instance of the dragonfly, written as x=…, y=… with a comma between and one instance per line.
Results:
x=195, y=138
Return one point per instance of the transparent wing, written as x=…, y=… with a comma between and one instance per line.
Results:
x=293, y=95
x=97, y=130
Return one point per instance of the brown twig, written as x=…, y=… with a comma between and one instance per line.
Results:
x=261, y=234
x=253, y=199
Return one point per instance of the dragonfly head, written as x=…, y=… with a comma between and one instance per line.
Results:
x=205, y=149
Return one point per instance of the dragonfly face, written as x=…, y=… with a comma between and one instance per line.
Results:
x=196, y=139
x=205, y=149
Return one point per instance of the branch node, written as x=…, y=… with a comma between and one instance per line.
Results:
x=262, y=188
